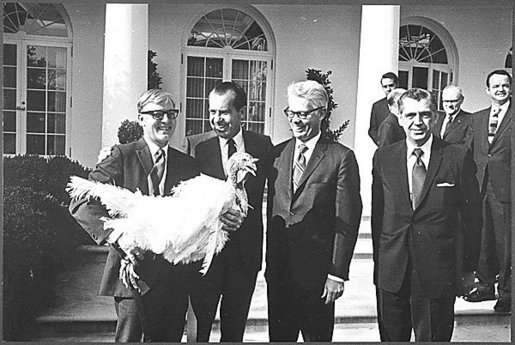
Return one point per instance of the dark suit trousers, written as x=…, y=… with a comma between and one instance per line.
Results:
x=495, y=257
x=128, y=327
x=163, y=308
x=292, y=309
x=230, y=279
x=432, y=319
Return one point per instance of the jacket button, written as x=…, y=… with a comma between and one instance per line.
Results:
x=292, y=213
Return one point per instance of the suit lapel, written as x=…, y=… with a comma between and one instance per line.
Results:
x=214, y=159
x=454, y=124
x=439, y=124
x=145, y=159
x=434, y=165
x=504, y=124
x=397, y=171
x=172, y=163
x=285, y=161
x=483, y=119
x=315, y=159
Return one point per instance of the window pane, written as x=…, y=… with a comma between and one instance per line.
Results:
x=57, y=79
x=10, y=55
x=194, y=108
x=194, y=87
x=55, y=145
x=36, y=122
x=56, y=57
x=256, y=127
x=257, y=91
x=443, y=81
x=420, y=77
x=9, y=99
x=35, y=144
x=256, y=112
x=36, y=100
x=9, y=121
x=436, y=79
x=240, y=69
x=9, y=143
x=36, y=78
x=36, y=56
x=210, y=85
x=214, y=68
x=193, y=127
x=195, y=66
x=403, y=79
x=56, y=123
x=56, y=101
x=9, y=76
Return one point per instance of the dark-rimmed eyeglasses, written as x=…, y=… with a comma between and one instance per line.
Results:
x=300, y=114
x=160, y=114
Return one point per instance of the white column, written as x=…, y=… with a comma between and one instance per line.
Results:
x=125, y=65
x=378, y=54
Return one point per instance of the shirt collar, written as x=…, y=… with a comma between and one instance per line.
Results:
x=311, y=143
x=238, y=140
x=426, y=147
x=153, y=147
x=503, y=108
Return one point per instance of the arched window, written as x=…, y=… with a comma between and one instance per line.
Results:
x=229, y=44
x=426, y=59
x=37, y=44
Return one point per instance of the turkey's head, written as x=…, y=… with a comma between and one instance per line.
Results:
x=239, y=165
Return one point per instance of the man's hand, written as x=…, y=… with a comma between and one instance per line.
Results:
x=231, y=220
x=128, y=275
x=104, y=153
x=467, y=282
x=332, y=290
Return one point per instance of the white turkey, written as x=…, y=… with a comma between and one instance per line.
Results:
x=184, y=226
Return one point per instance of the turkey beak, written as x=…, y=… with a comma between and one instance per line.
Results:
x=252, y=168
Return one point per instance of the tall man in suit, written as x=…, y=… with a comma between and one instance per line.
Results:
x=380, y=111
x=153, y=296
x=425, y=229
x=313, y=215
x=454, y=125
x=233, y=272
x=492, y=153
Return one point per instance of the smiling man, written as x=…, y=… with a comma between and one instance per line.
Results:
x=313, y=213
x=425, y=226
x=152, y=296
x=492, y=153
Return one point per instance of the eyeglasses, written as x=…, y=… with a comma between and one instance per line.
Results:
x=160, y=114
x=300, y=114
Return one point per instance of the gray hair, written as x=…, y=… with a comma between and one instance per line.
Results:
x=155, y=96
x=311, y=90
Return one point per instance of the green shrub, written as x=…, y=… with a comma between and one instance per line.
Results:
x=129, y=131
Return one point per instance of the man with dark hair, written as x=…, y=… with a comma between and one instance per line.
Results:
x=454, y=123
x=233, y=272
x=425, y=230
x=313, y=215
x=151, y=299
x=380, y=111
x=491, y=144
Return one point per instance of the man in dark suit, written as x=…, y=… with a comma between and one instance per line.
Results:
x=313, y=215
x=425, y=229
x=492, y=152
x=390, y=131
x=234, y=270
x=454, y=124
x=155, y=303
x=380, y=111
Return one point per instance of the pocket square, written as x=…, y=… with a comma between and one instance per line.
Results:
x=445, y=184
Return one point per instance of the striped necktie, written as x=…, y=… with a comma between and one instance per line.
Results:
x=493, y=124
x=156, y=174
x=418, y=177
x=299, y=166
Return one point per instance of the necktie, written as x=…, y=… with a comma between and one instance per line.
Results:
x=447, y=126
x=231, y=148
x=156, y=174
x=299, y=166
x=494, y=123
x=417, y=178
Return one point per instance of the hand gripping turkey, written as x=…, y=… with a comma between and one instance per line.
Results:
x=192, y=230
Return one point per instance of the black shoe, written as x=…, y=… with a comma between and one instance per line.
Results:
x=503, y=305
x=479, y=295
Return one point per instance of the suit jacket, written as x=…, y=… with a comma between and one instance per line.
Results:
x=312, y=233
x=390, y=131
x=493, y=160
x=249, y=237
x=379, y=113
x=442, y=235
x=460, y=131
x=128, y=166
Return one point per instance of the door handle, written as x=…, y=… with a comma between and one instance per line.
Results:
x=20, y=107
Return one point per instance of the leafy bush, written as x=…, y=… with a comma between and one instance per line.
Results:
x=39, y=235
x=129, y=131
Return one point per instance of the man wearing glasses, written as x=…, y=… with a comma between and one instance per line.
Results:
x=313, y=213
x=150, y=294
x=454, y=124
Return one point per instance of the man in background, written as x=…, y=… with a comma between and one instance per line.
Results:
x=390, y=131
x=380, y=111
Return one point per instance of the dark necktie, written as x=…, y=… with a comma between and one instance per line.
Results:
x=231, y=148
x=156, y=174
x=299, y=166
x=448, y=125
x=494, y=123
x=418, y=177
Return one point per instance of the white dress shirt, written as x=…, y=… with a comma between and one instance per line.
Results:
x=502, y=111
